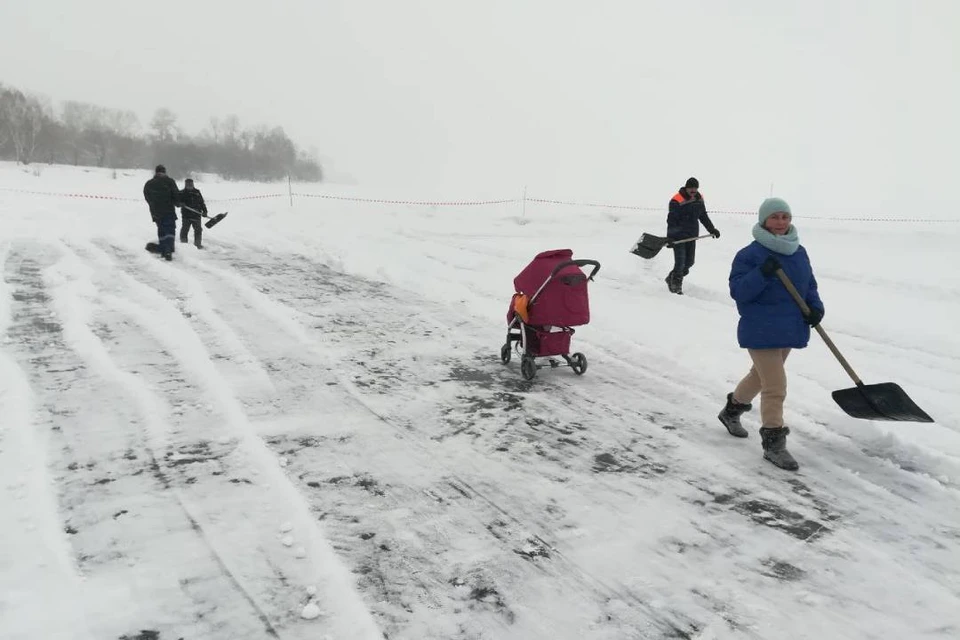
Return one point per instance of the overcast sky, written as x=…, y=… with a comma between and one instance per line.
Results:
x=841, y=104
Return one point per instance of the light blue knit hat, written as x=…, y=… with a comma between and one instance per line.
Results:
x=771, y=206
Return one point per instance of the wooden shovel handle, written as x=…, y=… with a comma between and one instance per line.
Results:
x=823, y=334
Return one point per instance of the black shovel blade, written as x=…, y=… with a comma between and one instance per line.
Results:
x=215, y=219
x=884, y=401
x=648, y=246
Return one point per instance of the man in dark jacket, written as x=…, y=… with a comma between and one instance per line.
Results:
x=162, y=194
x=687, y=211
x=191, y=201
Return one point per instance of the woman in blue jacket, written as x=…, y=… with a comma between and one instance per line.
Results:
x=771, y=324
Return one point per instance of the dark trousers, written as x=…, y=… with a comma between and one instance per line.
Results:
x=185, y=226
x=166, y=232
x=683, y=258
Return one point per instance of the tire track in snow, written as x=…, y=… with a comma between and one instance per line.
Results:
x=270, y=497
x=208, y=322
x=130, y=478
x=34, y=536
x=87, y=500
x=285, y=318
x=363, y=480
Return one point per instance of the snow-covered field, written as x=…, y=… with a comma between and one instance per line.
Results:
x=304, y=431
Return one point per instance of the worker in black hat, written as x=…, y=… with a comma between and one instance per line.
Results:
x=687, y=211
x=162, y=195
x=191, y=201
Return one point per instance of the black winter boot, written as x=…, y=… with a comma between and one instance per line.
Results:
x=730, y=416
x=775, y=447
x=671, y=282
x=678, y=283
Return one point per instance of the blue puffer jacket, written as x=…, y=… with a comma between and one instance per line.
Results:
x=769, y=318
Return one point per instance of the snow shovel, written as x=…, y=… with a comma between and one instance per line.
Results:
x=212, y=221
x=215, y=219
x=883, y=401
x=649, y=245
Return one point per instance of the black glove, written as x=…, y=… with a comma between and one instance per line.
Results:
x=715, y=233
x=769, y=266
x=814, y=317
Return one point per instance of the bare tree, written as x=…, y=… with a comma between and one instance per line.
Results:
x=22, y=117
x=5, y=96
x=76, y=118
x=123, y=123
x=215, y=130
x=164, y=124
x=96, y=134
x=32, y=124
x=88, y=132
x=230, y=129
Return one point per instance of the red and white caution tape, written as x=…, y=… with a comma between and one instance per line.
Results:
x=71, y=195
x=240, y=198
x=469, y=203
x=428, y=203
x=738, y=213
x=595, y=204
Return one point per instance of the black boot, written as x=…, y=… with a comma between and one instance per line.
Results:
x=730, y=416
x=671, y=282
x=678, y=283
x=775, y=447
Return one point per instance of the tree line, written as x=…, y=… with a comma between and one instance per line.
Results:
x=77, y=133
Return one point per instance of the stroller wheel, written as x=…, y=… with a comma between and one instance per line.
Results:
x=528, y=367
x=578, y=362
x=505, y=353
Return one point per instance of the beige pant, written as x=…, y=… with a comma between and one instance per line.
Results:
x=768, y=378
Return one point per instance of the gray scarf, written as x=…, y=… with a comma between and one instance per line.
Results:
x=786, y=244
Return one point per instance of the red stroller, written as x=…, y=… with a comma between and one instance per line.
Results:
x=541, y=324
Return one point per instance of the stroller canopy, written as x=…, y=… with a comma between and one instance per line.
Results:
x=562, y=299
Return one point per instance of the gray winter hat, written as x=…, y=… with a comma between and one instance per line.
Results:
x=771, y=206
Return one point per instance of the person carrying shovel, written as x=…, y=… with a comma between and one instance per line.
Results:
x=687, y=211
x=771, y=324
x=193, y=208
